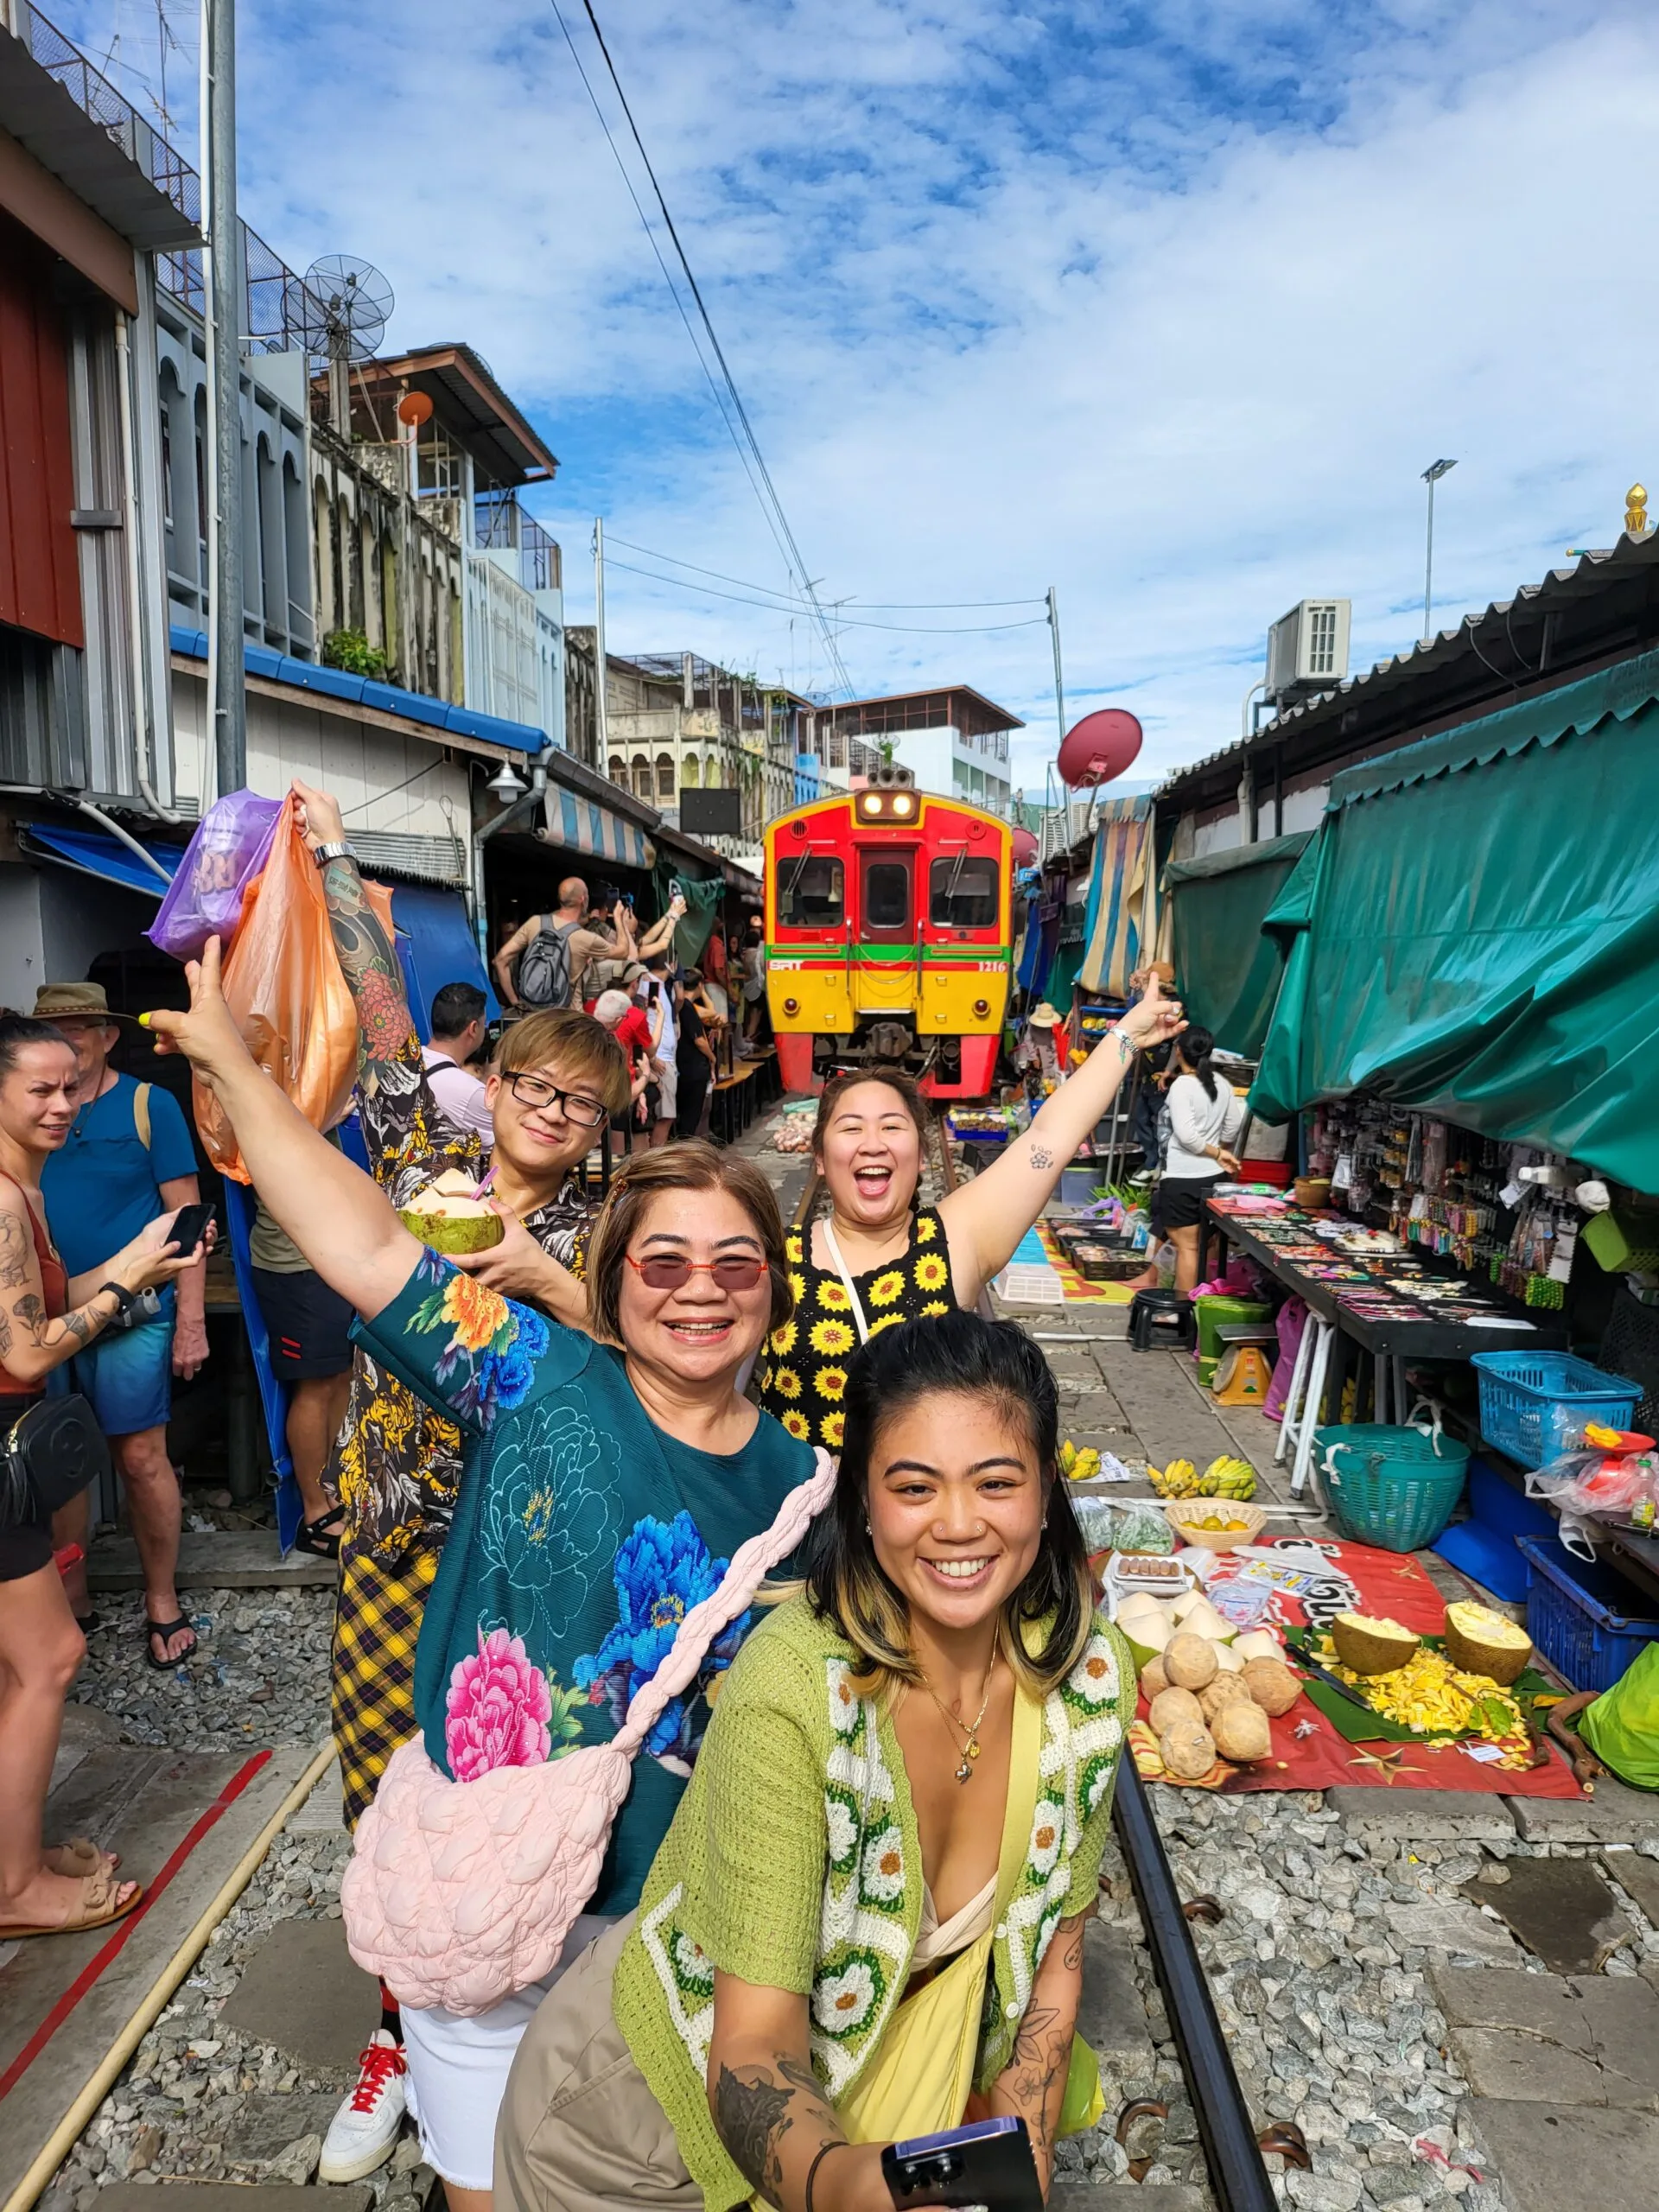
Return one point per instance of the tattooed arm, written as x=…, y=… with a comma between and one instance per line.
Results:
x=1032, y=2085
x=771, y=2110
x=32, y=1342
x=986, y=1217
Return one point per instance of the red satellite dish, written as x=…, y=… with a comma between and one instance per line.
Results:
x=1099, y=748
x=1024, y=848
x=415, y=408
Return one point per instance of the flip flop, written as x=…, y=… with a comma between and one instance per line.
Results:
x=80, y=1855
x=164, y=1630
x=314, y=1537
x=99, y=1907
x=87, y=1622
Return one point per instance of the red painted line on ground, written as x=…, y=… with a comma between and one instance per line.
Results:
x=101, y=1958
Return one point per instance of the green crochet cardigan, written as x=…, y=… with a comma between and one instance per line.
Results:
x=793, y=1863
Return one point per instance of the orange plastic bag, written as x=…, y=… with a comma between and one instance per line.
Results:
x=281, y=980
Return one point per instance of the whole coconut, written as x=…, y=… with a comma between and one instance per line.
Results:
x=1153, y=1677
x=1241, y=1732
x=1189, y=1662
x=1272, y=1685
x=1188, y=1751
x=1225, y=1690
x=1173, y=1705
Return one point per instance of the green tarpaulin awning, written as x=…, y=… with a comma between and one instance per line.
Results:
x=1475, y=931
x=1228, y=971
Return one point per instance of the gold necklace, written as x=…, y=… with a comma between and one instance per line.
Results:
x=970, y=1746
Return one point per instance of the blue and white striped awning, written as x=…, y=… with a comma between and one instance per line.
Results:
x=584, y=826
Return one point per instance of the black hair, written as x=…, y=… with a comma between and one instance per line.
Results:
x=692, y=978
x=454, y=1005
x=658, y=959
x=1195, y=1047
x=19, y=1031
x=605, y=896
x=960, y=1353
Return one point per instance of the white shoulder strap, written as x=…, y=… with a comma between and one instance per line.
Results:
x=847, y=1282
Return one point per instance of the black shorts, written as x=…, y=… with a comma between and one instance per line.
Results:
x=26, y=1546
x=1181, y=1201
x=309, y=1324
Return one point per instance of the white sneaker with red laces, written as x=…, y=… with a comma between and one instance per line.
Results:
x=362, y=2131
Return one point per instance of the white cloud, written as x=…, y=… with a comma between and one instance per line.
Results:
x=1170, y=319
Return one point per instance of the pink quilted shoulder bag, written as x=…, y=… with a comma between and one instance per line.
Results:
x=459, y=1892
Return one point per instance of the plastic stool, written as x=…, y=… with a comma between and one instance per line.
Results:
x=1304, y=1400
x=1166, y=1312
x=1243, y=1377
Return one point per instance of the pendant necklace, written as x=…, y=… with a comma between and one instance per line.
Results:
x=964, y=1773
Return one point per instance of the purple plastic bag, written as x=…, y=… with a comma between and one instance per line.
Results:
x=228, y=850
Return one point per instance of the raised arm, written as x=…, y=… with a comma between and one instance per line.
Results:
x=985, y=1218
x=506, y=959
x=386, y=1035
x=339, y=1220
x=660, y=930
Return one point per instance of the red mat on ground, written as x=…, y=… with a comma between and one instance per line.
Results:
x=1308, y=1751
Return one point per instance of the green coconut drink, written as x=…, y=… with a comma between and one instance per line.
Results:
x=449, y=1219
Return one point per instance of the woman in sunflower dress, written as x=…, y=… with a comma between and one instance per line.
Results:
x=878, y=1258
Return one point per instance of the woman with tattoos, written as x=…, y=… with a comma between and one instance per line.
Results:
x=866, y=1923
x=879, y=1259
x=46, y=1317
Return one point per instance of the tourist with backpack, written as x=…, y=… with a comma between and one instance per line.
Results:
x=128, y=1160
x=545, y=962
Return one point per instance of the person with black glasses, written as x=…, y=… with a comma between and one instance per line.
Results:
x=607, y=1479
x=556, y=1078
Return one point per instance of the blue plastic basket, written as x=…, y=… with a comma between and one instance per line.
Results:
x=1571, y=1615
x=1530, y=1401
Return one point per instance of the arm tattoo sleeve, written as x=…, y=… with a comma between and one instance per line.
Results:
x=16, y=1248
x=385, y=1029
x=752, y=2112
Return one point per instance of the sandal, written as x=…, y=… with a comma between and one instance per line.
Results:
x=80, y=1855
x=87, y=1622
x=165, y=1630
x=100, y=1902
x=314, y=1537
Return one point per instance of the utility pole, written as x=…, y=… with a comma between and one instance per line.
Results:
x=1059, y=682
x=600, y=733
x=1432, y=476
x=226, y=687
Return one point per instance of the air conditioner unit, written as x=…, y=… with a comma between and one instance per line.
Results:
x=1308, y=649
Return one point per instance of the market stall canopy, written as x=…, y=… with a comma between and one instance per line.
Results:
x=1228, y=971
x=1475, y=930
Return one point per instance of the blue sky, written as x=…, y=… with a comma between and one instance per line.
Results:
x=1165, y=305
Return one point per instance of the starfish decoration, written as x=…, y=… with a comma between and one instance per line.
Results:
x=1388, y=1765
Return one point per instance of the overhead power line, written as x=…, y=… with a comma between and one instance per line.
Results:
x=847, y=621
x=729, y=400
x=874, y=606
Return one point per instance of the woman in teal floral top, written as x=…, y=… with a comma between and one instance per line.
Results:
x=604, y=1485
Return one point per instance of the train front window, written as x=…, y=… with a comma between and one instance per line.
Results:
x=887, y=894
x=962, y=894
x=812, y=893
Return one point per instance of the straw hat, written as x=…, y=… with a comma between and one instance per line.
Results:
x=1044, y=1017
x=78, y=1001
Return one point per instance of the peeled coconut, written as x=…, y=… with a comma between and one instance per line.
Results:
x=1272, y=1685
x=1226, y=1658
x=1372, y=1647
x=1171, y=1706
x=1152, y=1678
x=1481, y=1641
x=1240, y=1733
x=447, y=1218
x=1188, y=1751
x=1189, y=1660
x=1259, y=1644
x=1225, y=1690
x=1198, y=1617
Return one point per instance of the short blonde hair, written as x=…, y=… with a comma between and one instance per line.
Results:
x=690, y=1167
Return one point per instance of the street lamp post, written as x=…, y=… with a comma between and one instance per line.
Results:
x=1432, y=476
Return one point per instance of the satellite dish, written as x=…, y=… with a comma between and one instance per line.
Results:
x=344, y=307
x=1099, y=748
x=1024, y=848
x=415, y=408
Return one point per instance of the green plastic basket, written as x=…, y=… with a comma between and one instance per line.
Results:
x=1395, y=1488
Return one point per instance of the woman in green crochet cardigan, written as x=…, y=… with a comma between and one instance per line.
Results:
x=866, y=1922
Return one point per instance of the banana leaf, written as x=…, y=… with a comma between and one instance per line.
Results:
x=1528, y=1691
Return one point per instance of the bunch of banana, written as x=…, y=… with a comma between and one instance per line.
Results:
x=1079, y=1466
x=1178, y=1480
x=1227, y=1477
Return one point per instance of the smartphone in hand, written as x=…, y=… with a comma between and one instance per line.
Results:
x=988, y=2162
x=190, y=1227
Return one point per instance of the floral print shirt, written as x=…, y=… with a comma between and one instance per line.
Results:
x=581, y=1537
x=803, y=1371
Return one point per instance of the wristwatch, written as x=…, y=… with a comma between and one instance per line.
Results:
x=124, y=1299
x=339, y=850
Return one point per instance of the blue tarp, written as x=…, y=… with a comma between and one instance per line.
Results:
x=436, y=946
x=93, y=853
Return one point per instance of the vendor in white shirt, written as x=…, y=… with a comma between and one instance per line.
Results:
x=458, y=1023
x=1204, y=1118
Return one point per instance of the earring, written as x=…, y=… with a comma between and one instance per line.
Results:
x=868, y=1530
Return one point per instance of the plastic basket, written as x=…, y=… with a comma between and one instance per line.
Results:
x=1532, y=1402
x=1396, y=1488
x=1622, y=1242
x=1573, y=1616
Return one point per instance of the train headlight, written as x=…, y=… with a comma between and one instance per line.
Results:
x=872, y=806
x=982, y=1007
x=904, y=806
x=791, y=1006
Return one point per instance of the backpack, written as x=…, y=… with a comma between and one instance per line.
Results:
x=543, y=976
x=141, y=1114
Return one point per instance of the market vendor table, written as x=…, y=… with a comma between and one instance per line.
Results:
x=1395, y=1341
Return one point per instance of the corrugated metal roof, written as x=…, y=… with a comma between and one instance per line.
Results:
x=1592, y=574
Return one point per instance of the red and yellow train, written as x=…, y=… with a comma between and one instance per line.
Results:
x=889, y=936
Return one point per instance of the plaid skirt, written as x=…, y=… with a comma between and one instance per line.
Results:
x=377, y=1624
